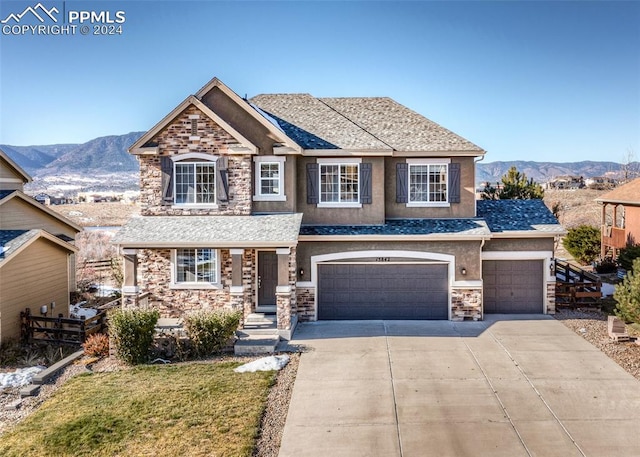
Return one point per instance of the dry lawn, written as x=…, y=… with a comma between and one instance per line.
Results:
x=196, y=409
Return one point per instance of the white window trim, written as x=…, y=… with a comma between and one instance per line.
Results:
x=410, y=204
x=194, y=285
x=200, y=158
x=338, y=161
x=280, y=197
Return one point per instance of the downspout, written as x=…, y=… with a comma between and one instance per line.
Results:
x=475, y=201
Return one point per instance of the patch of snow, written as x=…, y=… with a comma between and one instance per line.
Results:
x=608, y=289
x=583, y=330
x=78, y=312
x=20, y=377
x=273, y=362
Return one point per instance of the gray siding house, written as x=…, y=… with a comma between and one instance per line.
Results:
x=326, y=208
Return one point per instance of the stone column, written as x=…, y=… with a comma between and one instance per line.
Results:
x=283, y=290
x=236, y=291
x=130, y=284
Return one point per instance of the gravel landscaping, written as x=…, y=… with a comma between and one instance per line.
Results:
x=592, y=326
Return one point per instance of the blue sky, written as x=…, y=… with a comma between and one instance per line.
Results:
x=544, y=81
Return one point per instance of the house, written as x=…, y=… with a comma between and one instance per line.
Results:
x=620, y=218
x=325, y=208
x=566, y=182
x=600, y=182
x=37, y=256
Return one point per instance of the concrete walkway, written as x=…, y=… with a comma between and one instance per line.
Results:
x=503, y=387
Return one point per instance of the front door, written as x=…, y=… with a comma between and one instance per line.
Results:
x=267, y=278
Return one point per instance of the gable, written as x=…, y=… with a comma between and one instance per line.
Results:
x=12, y=176
x=19, y=211
x=192, y=106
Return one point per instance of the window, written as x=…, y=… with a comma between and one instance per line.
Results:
x=195, y=183
x=339, y=183
x=428, y=184
x=269, y=182
x=196, y=266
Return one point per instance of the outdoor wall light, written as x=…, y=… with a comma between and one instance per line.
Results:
x=43, y=310
x=463, y=270
x=301, y=271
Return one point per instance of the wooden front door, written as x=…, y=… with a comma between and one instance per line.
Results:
x=267, y=278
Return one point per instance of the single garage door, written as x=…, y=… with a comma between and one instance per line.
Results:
x=513, y=286
x=383, y=291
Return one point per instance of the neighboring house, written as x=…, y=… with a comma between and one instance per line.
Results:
x=566, y=182
x=600, y=182
x=326, y=208
x=37, y=256
x=620, y=218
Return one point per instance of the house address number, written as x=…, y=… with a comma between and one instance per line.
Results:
x=383, y=259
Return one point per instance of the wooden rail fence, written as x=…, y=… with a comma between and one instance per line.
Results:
x=60, y=329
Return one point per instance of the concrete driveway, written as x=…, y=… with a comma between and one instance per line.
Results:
x=502, y=387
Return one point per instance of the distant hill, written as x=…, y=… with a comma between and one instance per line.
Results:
x=105, y=154
x=101, y=155
x=542, y=172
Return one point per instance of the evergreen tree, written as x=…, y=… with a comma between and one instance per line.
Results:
x=627, y=295
x=514, y=186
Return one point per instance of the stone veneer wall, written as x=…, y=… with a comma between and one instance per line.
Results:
x=551, y=298
x=286, y=302
x=212, y=139
x=305, y=303
x=466, y=304
x=155, y=278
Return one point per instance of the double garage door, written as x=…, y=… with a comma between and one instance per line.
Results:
x=513, y=286
x=382, y=291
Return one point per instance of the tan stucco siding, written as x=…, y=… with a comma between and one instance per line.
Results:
x=239, y=119
x=36, y=276
x=16, y=214
x=368, y=214
x=467, y=253
x=520, y=244
x=466, y=207
x=289, y=205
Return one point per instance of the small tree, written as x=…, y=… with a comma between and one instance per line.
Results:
x=627, y=256
x=515, y=186
x=583, y=243
x=627, y=294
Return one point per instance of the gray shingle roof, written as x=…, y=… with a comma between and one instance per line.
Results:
x=454, y=227
x=5, y=193
x=12, y=240
x=518, y=215
x=358, y=123
x=216, y=231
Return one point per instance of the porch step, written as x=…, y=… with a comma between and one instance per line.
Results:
x=268, y=309
x=260, y=320
x=253, y=345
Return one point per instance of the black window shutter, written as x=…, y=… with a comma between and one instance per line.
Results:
x=166, y=167
x=365, y=184
x=402, y=174
x=222, y=181
x=312, y=183
x=454, y=183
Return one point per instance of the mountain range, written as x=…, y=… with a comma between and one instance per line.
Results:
x=108, y=154
x=102, y=155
